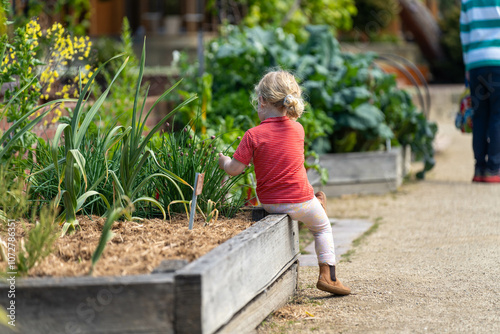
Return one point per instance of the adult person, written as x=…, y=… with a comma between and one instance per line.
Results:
x=480, y=36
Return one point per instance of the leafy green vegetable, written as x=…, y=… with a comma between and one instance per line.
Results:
x=365, y=107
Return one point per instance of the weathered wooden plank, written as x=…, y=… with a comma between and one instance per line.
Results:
x=363, y=172
x=361, y=167
x=212, y=289
x=358, y=188
x=264, y=304
x=128, y=304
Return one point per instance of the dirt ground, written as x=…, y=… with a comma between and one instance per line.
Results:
x=431, y=266
x=136, y=248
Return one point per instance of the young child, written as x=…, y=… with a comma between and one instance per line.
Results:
x=276, y=148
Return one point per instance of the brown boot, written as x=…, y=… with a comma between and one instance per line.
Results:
x=328, y=282
x=322, y=199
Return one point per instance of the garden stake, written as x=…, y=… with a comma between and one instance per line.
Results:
x=198, y=187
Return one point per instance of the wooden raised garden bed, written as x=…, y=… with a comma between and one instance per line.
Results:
x=231, y=289
x=363, y=172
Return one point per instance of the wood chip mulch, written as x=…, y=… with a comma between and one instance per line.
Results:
x=136, y=247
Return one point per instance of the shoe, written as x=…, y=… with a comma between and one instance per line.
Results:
x=491, y=177
x=478, y=175
x=478, y=178
x=329, y=283
x=322, y=199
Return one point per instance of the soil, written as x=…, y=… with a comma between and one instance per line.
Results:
x=137, y=247
x=431, y=266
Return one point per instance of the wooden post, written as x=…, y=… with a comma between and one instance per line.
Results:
x=198, y=187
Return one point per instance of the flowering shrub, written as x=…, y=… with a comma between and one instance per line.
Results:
x=22, y=64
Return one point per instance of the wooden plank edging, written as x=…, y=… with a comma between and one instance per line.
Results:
x=202, y=297
x=212, y=289
x=269, y=300
x=363, y=172
x=123, y=304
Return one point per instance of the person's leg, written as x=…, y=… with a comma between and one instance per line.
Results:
x=313, y=215
x=493, y=164
x=480, y=103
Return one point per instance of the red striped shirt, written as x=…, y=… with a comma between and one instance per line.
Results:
x=277, y=149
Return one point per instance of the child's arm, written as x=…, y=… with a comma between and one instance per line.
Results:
x=231, y=166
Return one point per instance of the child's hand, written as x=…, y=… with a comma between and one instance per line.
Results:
x=223, y=160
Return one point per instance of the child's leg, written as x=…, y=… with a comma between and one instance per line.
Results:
x=312, y=214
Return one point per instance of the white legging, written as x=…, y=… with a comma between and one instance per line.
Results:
x=312, y=214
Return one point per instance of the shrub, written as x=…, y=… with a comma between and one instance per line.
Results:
x=348, y=93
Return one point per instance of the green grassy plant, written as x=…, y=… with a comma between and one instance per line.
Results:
x=135, y=152
x=38, y=240
x=71, y=169
x=23, y=124
x=188, y=152
x=12, y=196
x=106, y=235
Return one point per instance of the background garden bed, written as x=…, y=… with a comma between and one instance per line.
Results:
x=363, y=172
x=233, y=287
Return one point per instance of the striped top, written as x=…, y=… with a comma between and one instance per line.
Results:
x=277, y=149
x=480, y=33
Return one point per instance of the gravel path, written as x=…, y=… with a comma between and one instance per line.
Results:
x=432, y=265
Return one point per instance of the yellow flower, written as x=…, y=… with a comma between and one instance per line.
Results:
x=45, y=123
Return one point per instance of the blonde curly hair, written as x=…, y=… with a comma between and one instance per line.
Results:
x=281, y=90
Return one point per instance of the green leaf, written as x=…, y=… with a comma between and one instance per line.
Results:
x=154, y=202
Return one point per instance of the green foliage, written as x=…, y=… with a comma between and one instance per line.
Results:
x=38, y=242
x=14, y=206
x=364, y=106
x=10, y=139
x=112, y=165
x=106, y=235
x=188, y=152
x=27, y=78
x=71, y=169
x=373, y=16
x=121, y=97
x=17, y=67
x=75, y=13
x=294, y=15
x=134, y=150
